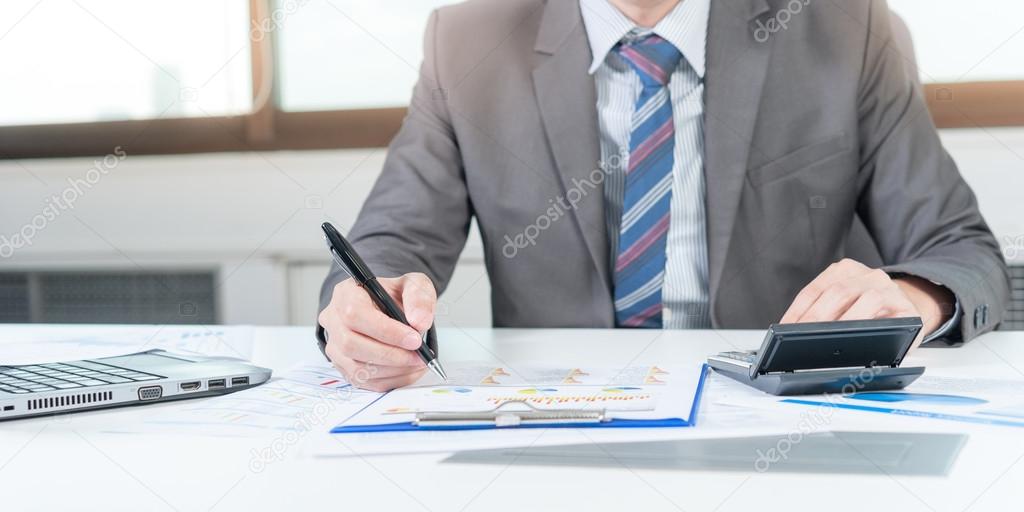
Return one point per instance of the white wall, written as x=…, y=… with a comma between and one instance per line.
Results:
x=254, y=218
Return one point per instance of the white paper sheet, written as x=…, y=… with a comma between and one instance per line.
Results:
x=29, y=346
x=646, y=392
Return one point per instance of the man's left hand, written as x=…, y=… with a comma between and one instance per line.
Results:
x=849, y=290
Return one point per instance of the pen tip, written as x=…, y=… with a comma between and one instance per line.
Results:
x=436, y=366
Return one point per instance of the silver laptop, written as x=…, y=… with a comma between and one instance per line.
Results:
x=153, y=376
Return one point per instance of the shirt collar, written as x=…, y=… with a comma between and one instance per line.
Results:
x=686, y=27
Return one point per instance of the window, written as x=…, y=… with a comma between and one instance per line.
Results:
x=111, y=60
x=344, y=54
x=81, y=77
x=969, y=57
x=978, y=41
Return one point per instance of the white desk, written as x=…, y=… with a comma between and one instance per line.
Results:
x=68, y=463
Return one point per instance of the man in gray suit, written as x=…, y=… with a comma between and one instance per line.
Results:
x=667, y=164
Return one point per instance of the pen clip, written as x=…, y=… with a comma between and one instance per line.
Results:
x=500, y=417
x=345, y=255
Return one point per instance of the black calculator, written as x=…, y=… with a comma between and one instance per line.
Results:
x=827, y=357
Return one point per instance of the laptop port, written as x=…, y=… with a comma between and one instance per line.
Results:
x=150, y=392
x=215, y=384
x=190, y=386
x=239, y=381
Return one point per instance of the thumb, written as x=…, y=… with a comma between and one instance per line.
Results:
x=418, y=300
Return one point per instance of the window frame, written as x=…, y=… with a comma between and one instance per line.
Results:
x=267, y=127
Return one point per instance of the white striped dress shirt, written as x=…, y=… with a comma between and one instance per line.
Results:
x=685, y=289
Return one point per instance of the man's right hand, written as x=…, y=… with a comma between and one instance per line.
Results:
x=372, y=350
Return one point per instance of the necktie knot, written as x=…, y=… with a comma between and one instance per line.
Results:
x=652, y=57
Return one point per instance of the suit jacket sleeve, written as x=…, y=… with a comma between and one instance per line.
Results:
x=923, y=216
x=417, y=216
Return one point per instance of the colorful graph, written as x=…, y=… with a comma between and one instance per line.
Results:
x=571, y=377
x=917, y=397
x=492, y=376
x=284, y=396
x=446, y=391
x=537, y=391
x=550, y=399
x=621, y=389
x=653, y=376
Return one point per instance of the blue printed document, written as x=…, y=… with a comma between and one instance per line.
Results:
x=996, y=402
x=479, y=395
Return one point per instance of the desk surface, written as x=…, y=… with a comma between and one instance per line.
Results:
x=68, y=462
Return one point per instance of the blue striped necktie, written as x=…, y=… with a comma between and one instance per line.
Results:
x=643, y=229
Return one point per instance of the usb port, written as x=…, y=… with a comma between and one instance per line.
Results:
x=190, y=386
x=239, y=381
x=215, y=384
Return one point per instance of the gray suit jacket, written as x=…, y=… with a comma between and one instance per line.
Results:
x=818, y=147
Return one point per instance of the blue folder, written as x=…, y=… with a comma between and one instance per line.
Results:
x=408, y=426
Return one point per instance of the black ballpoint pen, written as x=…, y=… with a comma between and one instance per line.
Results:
x=346, y=256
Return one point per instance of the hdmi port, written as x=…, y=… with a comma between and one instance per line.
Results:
x=239, y=381
x=190, y=386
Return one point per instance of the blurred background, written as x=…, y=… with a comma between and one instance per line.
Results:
x=170, y=162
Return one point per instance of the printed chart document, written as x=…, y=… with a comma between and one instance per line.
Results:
x=979, y=401
x=673, y=393
x=996, y=402
x=636, y=396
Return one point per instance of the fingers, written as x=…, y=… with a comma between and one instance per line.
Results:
x=360, y=373
x=809, y=295
x=848, y=290
x=396, y=382
x=418, y=300
x=353, y=345
x=835, y=300
x=871, y=304
x=358, y=331
x=352, y=309
x=831, y=303
x=372, y=375
x=378, y=378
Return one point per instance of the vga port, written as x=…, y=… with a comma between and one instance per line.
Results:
x=150, y=392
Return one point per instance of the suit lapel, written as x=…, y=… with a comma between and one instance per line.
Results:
x=736, y=66
x=568, y=106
